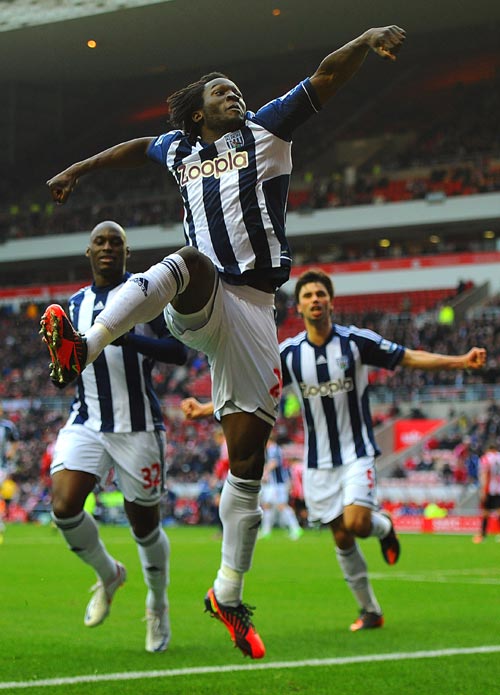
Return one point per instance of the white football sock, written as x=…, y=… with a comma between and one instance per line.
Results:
x=240, y=515
x=154, y=554
x=381, y=525
x=267, y=521
x=228, y=586
x=82, y=536
x=355, y=571
x=288, y=519
x=141, y=299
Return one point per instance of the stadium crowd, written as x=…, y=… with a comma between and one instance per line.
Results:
x=38, y=411
x=159, y=205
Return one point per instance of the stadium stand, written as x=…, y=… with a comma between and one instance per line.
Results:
x=39, y=411
x=364, y=158
x=383, y=303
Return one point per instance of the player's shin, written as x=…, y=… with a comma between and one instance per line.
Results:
x=355, y=571
x=82, y=536
x=141, y=299
x=241, y=515
x=154, y=554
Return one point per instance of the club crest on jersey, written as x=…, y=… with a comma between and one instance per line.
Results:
x=235, y=139
x=229, y=161
x=343, y=362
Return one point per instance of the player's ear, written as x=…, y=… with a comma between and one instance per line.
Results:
x=127, y=252
x=197, y=116
x=87, y=252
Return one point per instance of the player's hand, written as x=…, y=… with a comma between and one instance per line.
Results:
x=61, y=186
x=193, y=409
x=386, y=41
x=475, y=358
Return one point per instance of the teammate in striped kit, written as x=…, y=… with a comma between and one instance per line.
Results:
x=116, y=422
x=233, y=169
x=275, y=492
x=327, y=367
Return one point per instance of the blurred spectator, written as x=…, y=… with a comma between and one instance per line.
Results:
x=9, y=442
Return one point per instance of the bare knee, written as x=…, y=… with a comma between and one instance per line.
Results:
x=143, y=520
x=69, y=492
x=65, y=507
x=246, y=437
x=359, y=526
x=342, y=537
x=250, y=468
x=201, y=281
x=196, y=261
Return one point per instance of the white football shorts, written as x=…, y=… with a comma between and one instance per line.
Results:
x=237, y=332
x=328, y=490
x=138, y=459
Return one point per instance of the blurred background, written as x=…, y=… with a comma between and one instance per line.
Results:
x=395, y=193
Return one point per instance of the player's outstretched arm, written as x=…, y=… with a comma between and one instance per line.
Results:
x=127, y=154
x=420, y=359
x=165, y=349
x=193, y=409
x=338, y=67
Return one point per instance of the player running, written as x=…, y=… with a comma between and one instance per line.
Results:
x=327, y=367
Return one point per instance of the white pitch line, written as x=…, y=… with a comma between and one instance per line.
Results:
x=261, y=666
x=469, y=576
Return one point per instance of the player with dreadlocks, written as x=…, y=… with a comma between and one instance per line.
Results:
x=233, y=170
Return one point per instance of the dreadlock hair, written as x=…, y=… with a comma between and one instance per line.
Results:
x=314, y=275
x=185, y=101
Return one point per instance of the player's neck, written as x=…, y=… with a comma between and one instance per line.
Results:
x=318, y=334
x=209, y=135
x=107, y=280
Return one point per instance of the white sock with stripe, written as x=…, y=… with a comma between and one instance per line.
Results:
x=82, y=536
x=354, y=568
x=381, y=525
x=141, y=299
x=240, y=515
x=154, y=554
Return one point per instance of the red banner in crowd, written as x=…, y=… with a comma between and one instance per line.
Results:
x=450, y=524
x=409, y=432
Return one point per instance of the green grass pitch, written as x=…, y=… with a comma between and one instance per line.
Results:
x=444, y=594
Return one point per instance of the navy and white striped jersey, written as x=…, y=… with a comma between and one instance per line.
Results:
x=235, y=190
x=114, y=393
x=331, y=382
x=279, y=474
